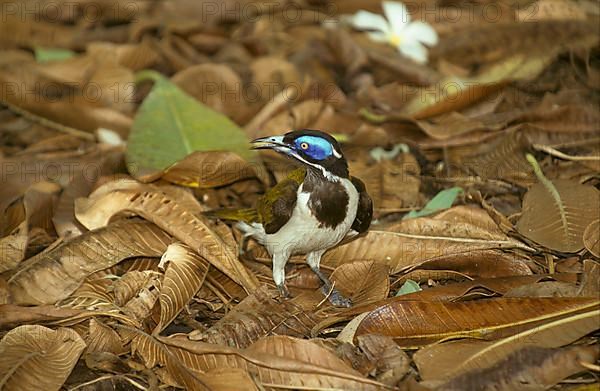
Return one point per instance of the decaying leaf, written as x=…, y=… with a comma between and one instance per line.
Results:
x=35, y=357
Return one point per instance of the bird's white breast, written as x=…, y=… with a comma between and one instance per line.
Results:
x=303, y=233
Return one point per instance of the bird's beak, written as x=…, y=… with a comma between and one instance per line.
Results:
x=272, y=142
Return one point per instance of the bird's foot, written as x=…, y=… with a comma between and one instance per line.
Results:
x=335, y=297
x=284, y=293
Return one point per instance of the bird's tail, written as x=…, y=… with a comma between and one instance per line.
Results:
x=247, y=215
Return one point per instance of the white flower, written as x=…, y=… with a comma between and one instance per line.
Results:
x=398, y=30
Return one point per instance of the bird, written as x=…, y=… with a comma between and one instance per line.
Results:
x=310, y=211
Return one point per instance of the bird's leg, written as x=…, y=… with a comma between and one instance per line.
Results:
x=279, y=261
x=243, y=244
x=335, y=297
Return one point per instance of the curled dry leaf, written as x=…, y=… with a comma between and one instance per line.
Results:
x=38, y=358
x=390, y=361
x=165, y=211
x=209, y=169
x=37, y=206
x=140, y=306
x=556, y=213
x=56, y=273
x=103, y=338
x=450, y=359
x=411, y=322
x=184, y=275
x=130, y=284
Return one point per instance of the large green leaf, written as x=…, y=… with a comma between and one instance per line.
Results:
x=171, y=124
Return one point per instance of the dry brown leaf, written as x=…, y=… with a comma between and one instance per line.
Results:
x=269, y=360
x=390, y=361
x=556, y=214
x=184, y=275
x=590, y=284
x=37, y=206
x=103, y=338
x=56, y=273
x=13, y=315
x=456, y=231
x=446, y=360
x=362, y=282
x=36, y=357
x=209, y=169
x=130, y=284
x=383, y=180
x=531, y=368
x=215, y=85
x=257, y=316
x=591, y=238
x=165, y=211
x=488, y=319
x=478, y=288
x=494, y=41
x=139, y=307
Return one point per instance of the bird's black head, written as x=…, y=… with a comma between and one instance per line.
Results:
x=313, y=148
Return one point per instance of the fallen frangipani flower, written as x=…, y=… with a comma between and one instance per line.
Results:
x=409, y=37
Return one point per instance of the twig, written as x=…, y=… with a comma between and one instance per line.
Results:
x=327, y=296
x=556, y=153
x=48, y=123
x=590, y=366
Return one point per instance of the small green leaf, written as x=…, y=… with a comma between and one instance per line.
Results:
x=409, y=286
x=52, y=54
x=442, y=200
x=170, y=125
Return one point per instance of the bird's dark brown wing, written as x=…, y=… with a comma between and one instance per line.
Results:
x=364, y=212
x=276, y=206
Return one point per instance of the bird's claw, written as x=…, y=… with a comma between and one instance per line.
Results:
x=335, y=297
x=284, y=293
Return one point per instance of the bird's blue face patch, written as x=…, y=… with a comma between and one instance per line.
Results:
x=316, y=148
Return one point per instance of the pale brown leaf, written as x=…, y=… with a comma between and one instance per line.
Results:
x=165, y=211
x=38, y=358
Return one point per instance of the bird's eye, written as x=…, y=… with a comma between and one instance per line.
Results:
x=304, y=146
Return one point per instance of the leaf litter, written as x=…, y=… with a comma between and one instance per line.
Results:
x=119, y=129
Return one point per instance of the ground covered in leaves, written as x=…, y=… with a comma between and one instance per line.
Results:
x=122, y=121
